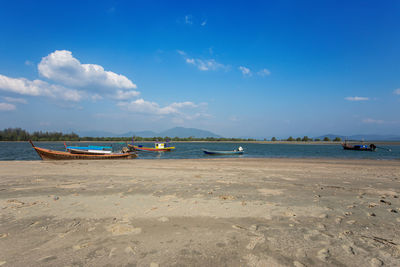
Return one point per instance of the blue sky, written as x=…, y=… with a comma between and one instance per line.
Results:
x=237, y=68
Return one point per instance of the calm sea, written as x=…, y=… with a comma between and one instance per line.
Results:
x=24, y=151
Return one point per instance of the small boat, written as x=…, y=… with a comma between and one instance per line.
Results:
x=89, y=150
x=158, y=147
x=238, y=151
x=48, y=154
x=358, y=147
x=89, y=147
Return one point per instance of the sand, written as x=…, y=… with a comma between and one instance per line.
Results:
x=203, y=212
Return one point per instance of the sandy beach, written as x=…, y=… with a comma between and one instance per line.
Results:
x=200, y=212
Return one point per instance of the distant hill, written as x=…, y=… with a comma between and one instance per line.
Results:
x=180, y=132
x=187, y=132
x=141, y=134
x=96, y=134
x=365, y=137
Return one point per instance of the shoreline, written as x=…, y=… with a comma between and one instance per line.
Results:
x=213, y=158
x=396, y=143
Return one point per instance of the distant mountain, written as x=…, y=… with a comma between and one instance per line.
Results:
x=96, y=134
x=180, y=132
x=365, y=137
x=187, y=132
x=141, y=134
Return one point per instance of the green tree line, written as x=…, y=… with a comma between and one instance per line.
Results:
x=18, y=134
x=307, y=139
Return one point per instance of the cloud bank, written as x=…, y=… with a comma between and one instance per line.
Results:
x=90, y=81
x=61, y=66
x=24, y=86
x=152, y=108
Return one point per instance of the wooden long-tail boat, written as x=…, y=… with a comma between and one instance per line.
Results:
x=357, y=147
x=158, y=147
x=229, y=152
x=48, y=154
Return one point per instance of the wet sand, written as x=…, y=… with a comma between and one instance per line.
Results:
x=203, y=212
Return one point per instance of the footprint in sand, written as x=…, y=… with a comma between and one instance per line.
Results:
x=258, y=239
x=323, y=216
x=255, y=241
x=393, y=210
x=338, y=220
x=348, y=249
x=298, y=264
x=128, y=250
x=123, y=229
x=112, y=254
x=163, y=219
x=375, y=262
x=323, y=254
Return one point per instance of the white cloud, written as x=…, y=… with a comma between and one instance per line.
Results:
x=28, y=63
x=204, y=23
x=142, y=106
x=356, y=98
x=373, y=121
x=123, y=95
x=190, y=61
x=146, y=107
x=182, y=110
x=15, y=100
x=397, y=91
x=24, y=86
x=189, y=19
x=6, y=107
x=264, y=72
x=62, y=67
x=245, y=71
x=184, y=104
x=203, y=64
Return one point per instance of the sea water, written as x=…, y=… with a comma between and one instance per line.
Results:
x=24, y=151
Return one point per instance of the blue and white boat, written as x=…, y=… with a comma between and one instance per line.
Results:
x=238, y=151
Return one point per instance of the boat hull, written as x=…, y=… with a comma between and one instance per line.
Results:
x=212, y=152
x=358, y=148
x=48, y=154
x=151, y=149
